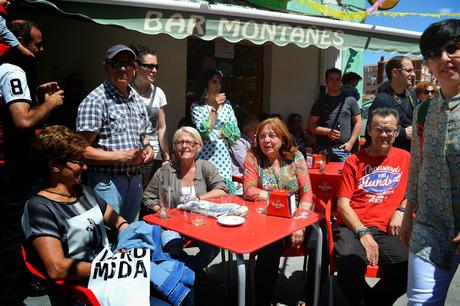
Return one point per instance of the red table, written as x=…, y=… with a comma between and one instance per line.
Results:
x=258, y=231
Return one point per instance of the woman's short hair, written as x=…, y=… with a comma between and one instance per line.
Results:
x=438, y=34
x=287, y=149
x=422, y=86
x=189, y=130
x=56, y=143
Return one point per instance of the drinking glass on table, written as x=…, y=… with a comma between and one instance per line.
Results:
x=165, y=203
x=262, y=208
x=197, y=217
x=185, y=196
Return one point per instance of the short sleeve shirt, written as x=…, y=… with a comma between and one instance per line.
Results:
x=79, y=225
x=13, y=84
x=120, y=123
x=375, y=185
x=153, y=112
x=15, y=146
x=327, y=109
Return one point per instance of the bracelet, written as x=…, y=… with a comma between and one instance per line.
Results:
x=119, y=225
x=362, y=231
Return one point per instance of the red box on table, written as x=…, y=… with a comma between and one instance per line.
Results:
x=282, y=203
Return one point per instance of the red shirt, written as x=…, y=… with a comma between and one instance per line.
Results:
x=375, y=185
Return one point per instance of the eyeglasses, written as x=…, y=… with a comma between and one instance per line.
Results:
x=149, y=66
x=389, y=130
x=427, y=92
x=451, y=48
x=80, y=161
x=188, y=143
x=408, y=70
x=119, y=65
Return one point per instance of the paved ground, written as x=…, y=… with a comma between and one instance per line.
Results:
x=211, y=291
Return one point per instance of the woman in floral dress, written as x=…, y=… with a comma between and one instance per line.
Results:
x=214, y=118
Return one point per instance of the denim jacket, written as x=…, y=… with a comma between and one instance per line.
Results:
x=170, y=277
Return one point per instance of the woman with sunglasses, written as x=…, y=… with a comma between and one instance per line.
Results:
x=65, y=223
x=155, y=101
x=425, y=90
x=191, y=177
x=433, y=191
x=214, y=118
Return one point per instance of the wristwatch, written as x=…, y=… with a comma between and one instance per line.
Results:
x=362, y=231
x=401, y=209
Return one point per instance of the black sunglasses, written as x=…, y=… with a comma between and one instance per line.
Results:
x=427, y=92
x=119, y=64
x=450, y=48
x=149, y=66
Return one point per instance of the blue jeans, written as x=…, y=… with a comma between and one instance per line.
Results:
x=123, y=192
x=428, y=284
x=338, y=155
x=198, y=262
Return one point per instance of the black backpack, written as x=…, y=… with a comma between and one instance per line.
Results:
x=421, y=119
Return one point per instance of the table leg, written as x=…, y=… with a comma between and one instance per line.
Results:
x=319, y=246
x=241, y=279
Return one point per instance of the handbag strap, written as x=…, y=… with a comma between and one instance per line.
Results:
x=152, y=98
x=334, y=124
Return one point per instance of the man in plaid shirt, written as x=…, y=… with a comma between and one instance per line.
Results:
x=114, y=122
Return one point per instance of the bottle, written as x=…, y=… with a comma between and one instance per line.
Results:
x=310, y=159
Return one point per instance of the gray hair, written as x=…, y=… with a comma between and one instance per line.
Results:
x=189, y=130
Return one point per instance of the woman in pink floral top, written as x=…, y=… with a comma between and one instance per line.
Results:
x=275, y=163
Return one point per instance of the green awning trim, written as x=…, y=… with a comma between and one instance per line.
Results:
x=182, y=24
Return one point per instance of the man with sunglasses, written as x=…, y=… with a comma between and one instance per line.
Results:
x=433, y=191
x=114, y=121
x=21, y=112
x=397, y=94
x=370, y=205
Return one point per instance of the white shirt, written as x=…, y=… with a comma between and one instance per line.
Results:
x=13, y=84
x=152, y=113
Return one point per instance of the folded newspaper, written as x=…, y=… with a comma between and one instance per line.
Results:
x=213, y=209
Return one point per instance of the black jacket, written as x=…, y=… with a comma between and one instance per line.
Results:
x=403, y=104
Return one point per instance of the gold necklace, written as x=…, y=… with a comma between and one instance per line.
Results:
x=61, y=194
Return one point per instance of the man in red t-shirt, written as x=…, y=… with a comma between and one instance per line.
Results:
x=371, y=201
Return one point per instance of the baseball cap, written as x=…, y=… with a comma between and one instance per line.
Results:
x=114, y=50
